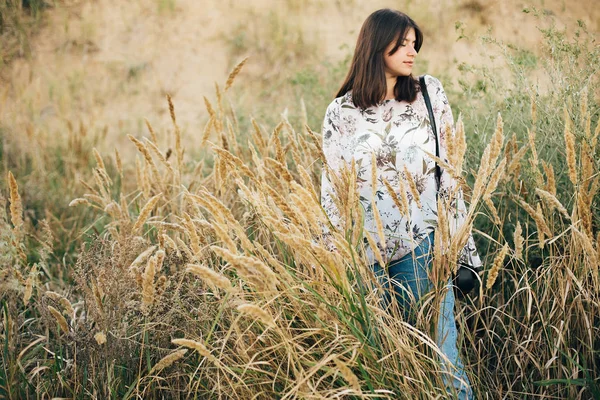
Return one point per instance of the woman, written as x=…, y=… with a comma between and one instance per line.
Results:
x=380, y=117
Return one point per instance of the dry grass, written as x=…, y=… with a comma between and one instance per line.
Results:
x=225, y=255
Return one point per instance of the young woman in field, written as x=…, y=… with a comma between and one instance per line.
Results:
x=380, y=116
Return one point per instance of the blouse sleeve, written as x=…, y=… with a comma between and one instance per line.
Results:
x=458, y=209
x=334, y=158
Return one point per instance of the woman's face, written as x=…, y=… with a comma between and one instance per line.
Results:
x=401, y=62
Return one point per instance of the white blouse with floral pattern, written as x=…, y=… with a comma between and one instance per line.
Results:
x=400, y=135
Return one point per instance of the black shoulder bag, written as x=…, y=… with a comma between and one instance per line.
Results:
x=465, y=279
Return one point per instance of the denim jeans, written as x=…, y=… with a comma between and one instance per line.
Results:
x=408, y=277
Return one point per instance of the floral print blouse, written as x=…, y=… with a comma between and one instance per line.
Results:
x=399, y=134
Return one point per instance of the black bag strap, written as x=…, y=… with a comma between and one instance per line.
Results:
x=465, y=279
x=438, y=170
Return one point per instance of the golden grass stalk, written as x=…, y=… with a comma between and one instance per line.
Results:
x=100, y=338
x=379, y=224
x=550, y=178
x=442, y=225
x=145, y=213
x=552, y=202
x=348, y=375
x=542, y=232
x=168, y=360
x=29, y=283
x=62, y=322
x=210, y=276
x=182, y=246
x=195, y=345
x=178, y=148
x=191, y=231
x=118, y=162
x=497, y=140
x=498, y=263
x=250, y=268
x=257, y=313
x=460, y=142
x=147, y=156
x=412, y=186
x=258, y=137
x=374, y=248
x=151, y=130
x=394, y=196
x=98, y=158
x=373, y=176
x=279, y=168
x=307, y=182
x=570, y=148
x=589, y=251
x=234, y=73
x=148, y=289
x=79, y=201
x=16, y=205
x=210, y=125
x=223, y=234
x=140, y=259
x=519, y=241
x=538, y=217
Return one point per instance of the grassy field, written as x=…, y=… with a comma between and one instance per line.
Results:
x=158, y=244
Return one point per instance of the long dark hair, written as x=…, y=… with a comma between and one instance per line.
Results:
x=366, y=77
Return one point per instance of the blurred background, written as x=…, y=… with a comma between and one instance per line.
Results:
x=109, y=64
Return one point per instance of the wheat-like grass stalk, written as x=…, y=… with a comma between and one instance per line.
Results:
x=147, y=156
x=378, y=224
x=100, y=338
x=16, y=205
x=498, y=263
x=590, y=252
x=537, y=217
x=234, y=73
x=148, y=289
x=252, y=269
x=62, y=322
x=98, y=158
x=374, y=248
x=145, y=213
x=29, y=283
x=496, y=142
x=442, y=223
x=210, y=276
x=552, y=202
x=395, y=198
x=168, y=360
x=519, y=241
x=348, y=375
x=79, y=201
x=195, y=345
x=222, y=233
x=142, y=257
x=151, y=130
x=178, y=148
x=550, y=178
x=570, y=148
x=257, y=313
x=412, y=186
x=460, y=141
x=191, y=231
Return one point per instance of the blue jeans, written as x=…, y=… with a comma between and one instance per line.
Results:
x=408, y=277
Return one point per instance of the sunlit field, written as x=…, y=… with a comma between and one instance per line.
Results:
x=160, y=224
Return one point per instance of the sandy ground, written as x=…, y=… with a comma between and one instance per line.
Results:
x=108, y=64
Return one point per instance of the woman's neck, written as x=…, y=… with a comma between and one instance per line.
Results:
x=390, y=85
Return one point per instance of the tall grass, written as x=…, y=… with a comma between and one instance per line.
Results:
x=210, y=278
